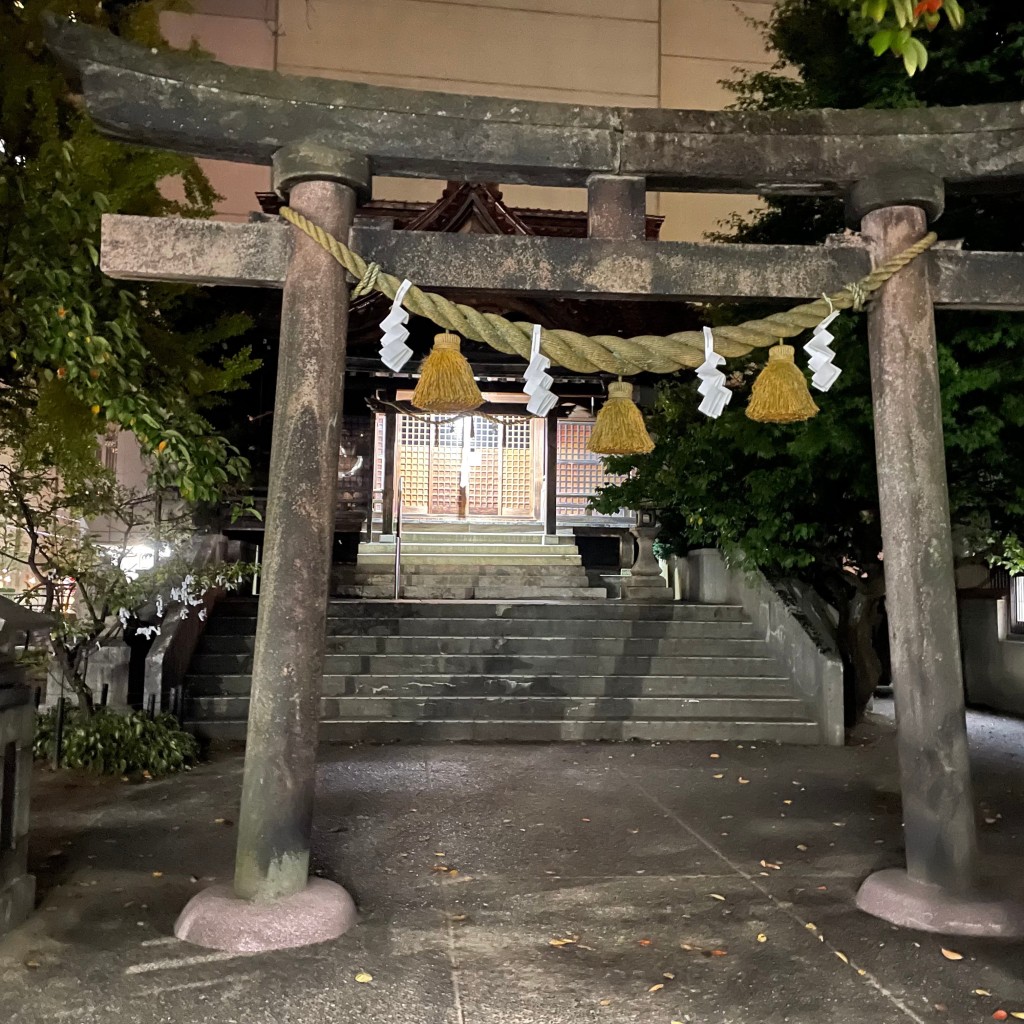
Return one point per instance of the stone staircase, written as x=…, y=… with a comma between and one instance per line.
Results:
x=506, y=671
x=449, y=563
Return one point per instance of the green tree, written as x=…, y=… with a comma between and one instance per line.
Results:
x=802, y=500
x=135, y=355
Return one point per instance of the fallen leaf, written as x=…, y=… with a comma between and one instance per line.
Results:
x=714, y=755
x=1000, y=1015
x=952, y=954
x=811, y=927
x=842, y=956
x=1018, y=1014
x=604, y=1002
x=584, y=819
x=801, y=846
x=458, y=918
x=158, y=874
x=982, y=992
x=656, y=988
x=716, y=896
x=363, y=977
x=563, y=942
x=718, y=775
x=669, y=975
x=718, y=952
x=861, y=971
x=742, y=781
x=762, y=937
x=31, y=964
x=645, y=942
x=990, y=821
x=771, y=864
x=687, y=947
x=787, y=802
x=439, y=855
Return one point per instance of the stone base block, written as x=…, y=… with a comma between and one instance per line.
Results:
x=648, y=589
x=17, y=899
x=895, y=897
x=218, y=919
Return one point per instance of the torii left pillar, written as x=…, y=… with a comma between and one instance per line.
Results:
x=273, y=903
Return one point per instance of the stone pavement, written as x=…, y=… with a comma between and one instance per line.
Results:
x=687, y=887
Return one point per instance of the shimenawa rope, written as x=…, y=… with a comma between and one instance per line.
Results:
x=622, y=356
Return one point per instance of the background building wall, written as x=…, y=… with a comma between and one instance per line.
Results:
x=668, y=53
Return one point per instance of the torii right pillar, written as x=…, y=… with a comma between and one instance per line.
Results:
x=941, y=889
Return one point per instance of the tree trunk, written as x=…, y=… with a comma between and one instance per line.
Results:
x=76, y=681
x=857, y=630
x=859, y=602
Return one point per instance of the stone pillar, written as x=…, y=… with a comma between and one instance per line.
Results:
x=938, y=889
x=17, y=726
x=616, y=206
x=274, y=904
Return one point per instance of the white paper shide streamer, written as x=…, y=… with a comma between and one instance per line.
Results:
x=825, y=372
x=394, y=353
x=538, y=380
x=716, y=396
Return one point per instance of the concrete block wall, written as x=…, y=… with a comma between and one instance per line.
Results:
x=796, y=640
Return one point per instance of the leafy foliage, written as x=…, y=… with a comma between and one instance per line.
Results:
x=109, y=743
x=131, y=354
x=802, y=500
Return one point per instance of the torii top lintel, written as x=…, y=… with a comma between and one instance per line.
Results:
x=206, y=108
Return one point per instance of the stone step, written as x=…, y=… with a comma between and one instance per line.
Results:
x=497, y=628
x=239, y=614
x=521, y=709
x=558, y=731
x=440, y=589
x=524, y=684
x=631, y=647
x=461, y=574
x=476, y=537
x=510, y=592
x=570, y=556
x=413, y=665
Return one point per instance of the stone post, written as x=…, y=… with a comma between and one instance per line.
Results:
x=937, y=891
x=274, y=904
x=645, y=581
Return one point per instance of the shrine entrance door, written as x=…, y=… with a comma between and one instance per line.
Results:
x=471, y=466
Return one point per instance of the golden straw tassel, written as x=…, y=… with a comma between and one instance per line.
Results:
x=780, y=393
x=620, y=428
x=446, y=381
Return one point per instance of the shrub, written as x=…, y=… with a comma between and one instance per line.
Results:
x=109, y=743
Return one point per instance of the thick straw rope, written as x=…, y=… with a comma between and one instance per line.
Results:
x=622, y=356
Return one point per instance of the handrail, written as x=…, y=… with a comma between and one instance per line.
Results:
x=398, y=541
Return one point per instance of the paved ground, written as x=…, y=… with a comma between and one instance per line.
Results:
x=650, y=859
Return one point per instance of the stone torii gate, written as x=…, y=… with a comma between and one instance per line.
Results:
x=326, y=138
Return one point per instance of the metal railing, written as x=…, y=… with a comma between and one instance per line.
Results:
x=398, y=540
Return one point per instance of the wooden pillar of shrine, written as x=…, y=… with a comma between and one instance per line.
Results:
x=938, y=891
x=387, y=514
x=274, y=904
x=551, y=474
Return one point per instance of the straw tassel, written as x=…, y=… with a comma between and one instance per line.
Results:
x=780, y=393
x=446, y=381
x=620, y=428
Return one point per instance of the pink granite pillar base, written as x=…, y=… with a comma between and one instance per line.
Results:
x=895, y=897
x=218, y=919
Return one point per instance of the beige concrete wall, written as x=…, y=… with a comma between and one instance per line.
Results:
x=670, y=53
x=236, y=32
